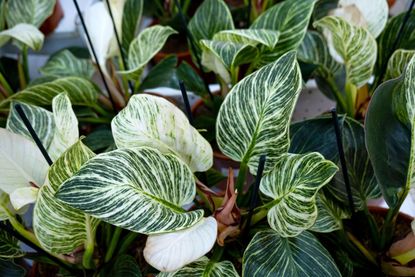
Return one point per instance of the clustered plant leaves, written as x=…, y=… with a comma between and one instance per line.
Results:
x=132, y=189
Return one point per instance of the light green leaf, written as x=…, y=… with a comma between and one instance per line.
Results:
x=171, y=251
x=291, y=19
x=268, y=254
x=143, y=48
x=398, y=62
x=374, y=12
x=204, y=267
x=254, y=118
x=122, y=187
x=22, y=197
x=80, y=91
x=268, y=38
x=65, y=64
x=292, y=185
x=57, y=131
x=9, y=246
x=133, y=10
x=60, y=228
x=201, y=27
x=390, y=137
x=25, y=34
x=222, y=57
x=21, y=162
x=124, y=265
x=352, y=46
x=29, y=11
x=153, y=121
x=4, y=202
x=329, y=215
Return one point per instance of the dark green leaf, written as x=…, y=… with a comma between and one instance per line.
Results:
x=9, y=269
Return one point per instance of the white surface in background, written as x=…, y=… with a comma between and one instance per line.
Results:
x=67, y=25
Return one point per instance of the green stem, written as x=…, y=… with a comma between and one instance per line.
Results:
x=6, y=86
x=234, y=75
x=123, y=79
x=128, y=240
x=258, y=216
x=337, y=94
x=351, y=95
x=362, y=248
x=100, y=110
x=217, y=254
x=114, y=241
x=240, y=181
x=25, y=54
x=388, y=227
x=22, y=78
x=87, y=260
x=373, y=227
x=250, y=69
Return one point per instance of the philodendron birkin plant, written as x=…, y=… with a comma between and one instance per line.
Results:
x=92, y=210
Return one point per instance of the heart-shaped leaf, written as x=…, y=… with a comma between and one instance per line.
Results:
x=204, y=267
x=60, y=228
x=144, y=47
x=25, y=34
x=390, y=135
x=153, y=121
x=65, y=64
x=267, y=38
x=291, y=19
x=352, y=46
x=29, y=11
x=269, y=254
x=398, y=62
x=254, y=118
x=171, y=251
x=122, y=186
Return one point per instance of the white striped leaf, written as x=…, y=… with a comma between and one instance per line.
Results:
x=202, y=27
x=139, y=189
x=171, y=251
x=144, y=47
x=57, y=131
x=32, y=12
x=374, y=12
x=293, y=185
x=153, y=121
x=23, y=34
x=291, y=19
x=398, y=62
x=352, y=46
x=269, y=254
x=268, y=38
x=204, y=267
x=9, y=268
x=9, y=246
x=21, y=162
x=390, y=135
x=254, y=118
x=80, y=91
x=124, y=265
x=59, y=227
x=65, y=64
x=222, y=57
x=329, y=216
x=4, y=202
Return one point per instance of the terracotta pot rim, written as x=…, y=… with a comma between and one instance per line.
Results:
x=383, y=211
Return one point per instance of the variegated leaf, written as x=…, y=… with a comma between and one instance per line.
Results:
x=269, y=254
x=386, y=41
x=10, y=269
x=65, y=64
x=390, y=135
x=171, y=251
x=128, y=187
x=204, y=267
x=57, y=131
x=60, y=228
x=329, y=215
x=268, y=38
x=124, y=265
x=21, y=162
x=153, y=121
x=291, y=19
x=398, y=62
x=4, y=202
x=374, y=12
x=21, y=197
x=131, y=19
x=29, y=11
x=80, y=91
x=143, y=48
x=23, y=34
x=352, y=46
x=9, y=246
x=202, y=28
x=292, y=185
x=254, y=118
x=222, y=57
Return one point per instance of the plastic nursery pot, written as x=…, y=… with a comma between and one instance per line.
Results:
x=52, y=21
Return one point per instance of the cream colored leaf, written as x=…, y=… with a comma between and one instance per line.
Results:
x=21, y=197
